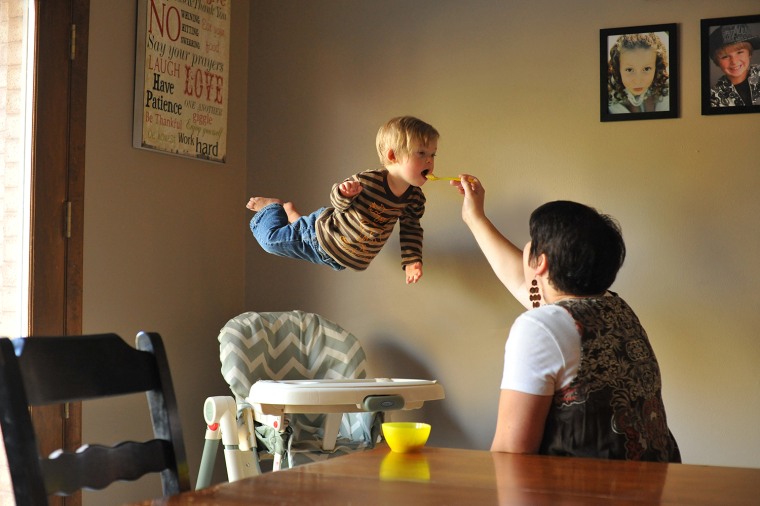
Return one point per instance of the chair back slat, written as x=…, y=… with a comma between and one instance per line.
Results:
x=90, y=367
x=40, y=371
x=94, y=467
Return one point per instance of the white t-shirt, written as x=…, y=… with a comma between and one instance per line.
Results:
x=543, y=351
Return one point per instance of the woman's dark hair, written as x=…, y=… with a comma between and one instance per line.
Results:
x=584, y=248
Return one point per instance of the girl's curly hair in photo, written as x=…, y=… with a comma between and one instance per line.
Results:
x=659, y=86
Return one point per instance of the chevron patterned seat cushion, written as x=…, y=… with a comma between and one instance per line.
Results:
x=295, y=345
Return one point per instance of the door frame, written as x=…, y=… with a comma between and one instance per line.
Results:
x=57, y=200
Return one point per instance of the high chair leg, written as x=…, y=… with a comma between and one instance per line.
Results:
x=332, y=425
x=220, y=414
x=208, y=460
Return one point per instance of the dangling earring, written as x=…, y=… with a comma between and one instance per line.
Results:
x=535, y=296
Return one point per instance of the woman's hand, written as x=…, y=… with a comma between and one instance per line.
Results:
x=474, y=197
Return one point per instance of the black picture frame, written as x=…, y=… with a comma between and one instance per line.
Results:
x=663, y=98
x=717, y=31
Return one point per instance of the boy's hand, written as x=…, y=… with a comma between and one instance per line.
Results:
x=413, y=272
x=350, y=188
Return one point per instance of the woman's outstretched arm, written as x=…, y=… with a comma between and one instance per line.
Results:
x=505, y=258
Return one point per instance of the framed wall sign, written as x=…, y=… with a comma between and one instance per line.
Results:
x=730, y=65
x=638, y=72
x=181, y=70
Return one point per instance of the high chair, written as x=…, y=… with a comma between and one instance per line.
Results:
x=300, y=394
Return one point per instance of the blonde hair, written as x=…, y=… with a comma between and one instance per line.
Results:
x=401, y=135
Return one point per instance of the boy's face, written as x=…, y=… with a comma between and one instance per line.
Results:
x=733, y=60
x=414, y=167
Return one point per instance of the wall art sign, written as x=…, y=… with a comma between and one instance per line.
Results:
x=730, y=65
x=639, y=72
x=181, y=77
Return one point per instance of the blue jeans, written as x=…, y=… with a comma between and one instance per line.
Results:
x=271, y=229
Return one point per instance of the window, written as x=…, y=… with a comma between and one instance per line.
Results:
x=16, y=67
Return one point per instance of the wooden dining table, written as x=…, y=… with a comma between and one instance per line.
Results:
x=445, y=476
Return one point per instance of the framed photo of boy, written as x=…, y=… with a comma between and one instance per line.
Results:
x=638, y=69
x=730, y=65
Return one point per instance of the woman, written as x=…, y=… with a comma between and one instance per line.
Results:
x=637, y=74
x=580, y=377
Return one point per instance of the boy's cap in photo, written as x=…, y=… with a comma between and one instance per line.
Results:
x=732, y=34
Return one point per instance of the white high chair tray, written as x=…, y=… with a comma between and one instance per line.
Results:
x=338, y=395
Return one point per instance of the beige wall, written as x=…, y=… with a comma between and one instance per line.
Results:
x=164, y=236
x=513, y=88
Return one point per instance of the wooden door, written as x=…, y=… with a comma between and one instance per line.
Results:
x=57, y=202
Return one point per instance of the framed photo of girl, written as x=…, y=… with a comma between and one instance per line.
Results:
x=638, y=68
x=731, y=65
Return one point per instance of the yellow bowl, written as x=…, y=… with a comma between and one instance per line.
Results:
x=405, y=437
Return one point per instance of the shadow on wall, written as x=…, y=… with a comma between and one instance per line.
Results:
x=389, y=360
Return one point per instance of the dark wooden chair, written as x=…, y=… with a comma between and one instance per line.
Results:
x=40, y=371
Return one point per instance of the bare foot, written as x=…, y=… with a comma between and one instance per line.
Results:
x=259, y=203
x=290, y=210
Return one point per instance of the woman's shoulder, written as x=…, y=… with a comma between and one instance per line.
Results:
x=590, y=309
x=545, y=331
x=549, y=318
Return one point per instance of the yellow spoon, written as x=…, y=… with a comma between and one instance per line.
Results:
x=431, y=177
